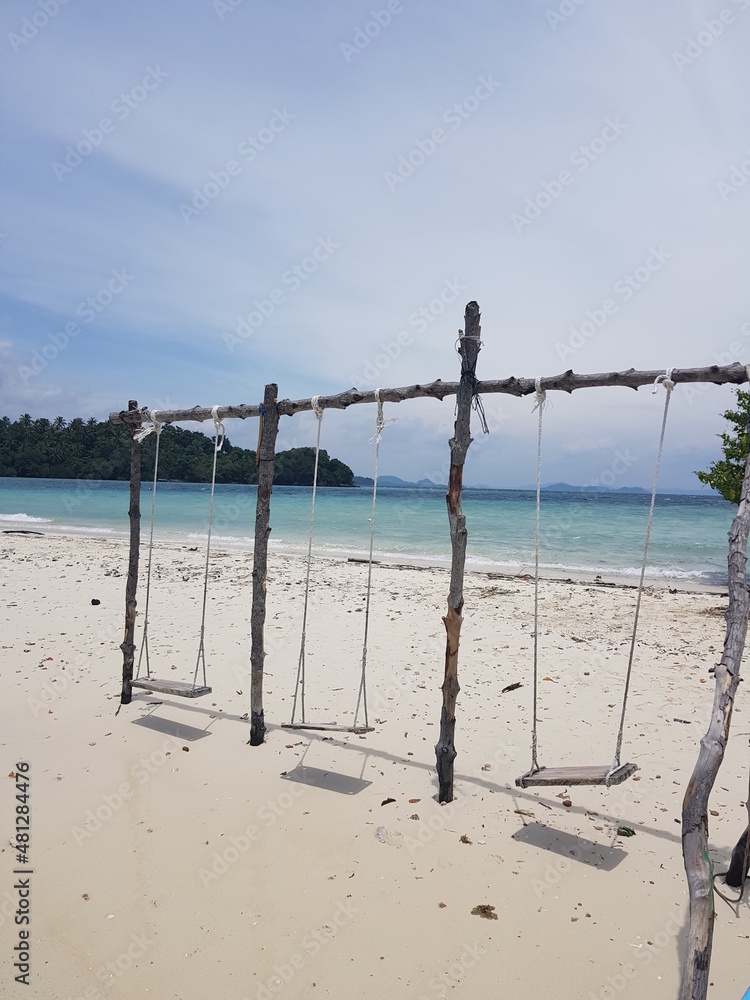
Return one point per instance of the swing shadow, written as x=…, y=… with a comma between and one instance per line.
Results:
x=171, y=728
x=331, y=781
x=570, y=846
x=493, y=787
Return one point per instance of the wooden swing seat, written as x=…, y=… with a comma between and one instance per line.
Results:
x=328, y=727
x=584, y=775
x=180, y=689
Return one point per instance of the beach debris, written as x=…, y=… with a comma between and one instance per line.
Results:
x=625, y=831
x=414, y=801
x=382, y=834
x=486, y=767
x=442, y=905
x=387, y=802
x=464, y=839
x=85, y=896
x=485, y=910
x=511, y=687
x=567, y=803
x=523, y=812
x=684, y=721
x=414, y=816
x=186, y=749
x=94, y=600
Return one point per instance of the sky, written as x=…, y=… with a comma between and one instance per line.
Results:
x=200, y=197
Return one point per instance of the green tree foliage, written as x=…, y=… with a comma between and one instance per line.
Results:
x=93, y=450
x=726, y=475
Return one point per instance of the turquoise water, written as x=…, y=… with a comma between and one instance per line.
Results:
x=584, y=533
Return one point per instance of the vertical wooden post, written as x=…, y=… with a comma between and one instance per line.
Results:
x=698, y=866
x=134, y=512
x=265, y=460
x=445, y=751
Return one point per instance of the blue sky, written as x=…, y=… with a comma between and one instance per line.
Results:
x=201, y=197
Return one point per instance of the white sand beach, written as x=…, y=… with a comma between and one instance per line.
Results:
x=172, y=860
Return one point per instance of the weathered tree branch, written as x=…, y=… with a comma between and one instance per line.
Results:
x=265, y=457
x=445, y=750
x=566, y=382
x=698, y=866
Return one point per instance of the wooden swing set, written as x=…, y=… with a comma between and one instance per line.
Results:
x=468, y=391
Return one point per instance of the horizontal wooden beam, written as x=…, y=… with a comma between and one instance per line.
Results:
x=568, y=381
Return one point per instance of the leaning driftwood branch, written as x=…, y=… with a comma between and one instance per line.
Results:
x=567, y=382
x=698, y=866
x=445, y=750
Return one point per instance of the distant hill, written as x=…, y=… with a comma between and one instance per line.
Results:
x=394, y=481
x=101, y=450
x=567, y=488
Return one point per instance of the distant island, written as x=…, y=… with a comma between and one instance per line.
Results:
x=44, y=449
x=394, y=481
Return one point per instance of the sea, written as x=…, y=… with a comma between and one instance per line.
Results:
x=582, y=535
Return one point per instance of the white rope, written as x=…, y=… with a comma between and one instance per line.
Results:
x=219, y=435
x=299, y=687
x=139, y=436
x=539, y=406
x=380, y=423
x=666, y=381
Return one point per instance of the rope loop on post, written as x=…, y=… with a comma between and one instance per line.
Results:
x=317, y=408
x=665, y=380
x=218, y=428
x=144, y=432
x=380, y=421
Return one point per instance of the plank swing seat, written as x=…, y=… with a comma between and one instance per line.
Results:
x=598, y=774
x=156, y=685
x=180, y=689
x=581, y=775
x=299, y=687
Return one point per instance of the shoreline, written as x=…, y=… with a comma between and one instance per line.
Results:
x=491, y=570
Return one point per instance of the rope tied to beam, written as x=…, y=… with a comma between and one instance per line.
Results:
x=299, y=687
x=219, y=435
x=666, y=381
x=539, y=406
x=144, y=432
x=380, y=424
x=139, y=436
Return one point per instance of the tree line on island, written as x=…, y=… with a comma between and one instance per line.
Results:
x=91, y=449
